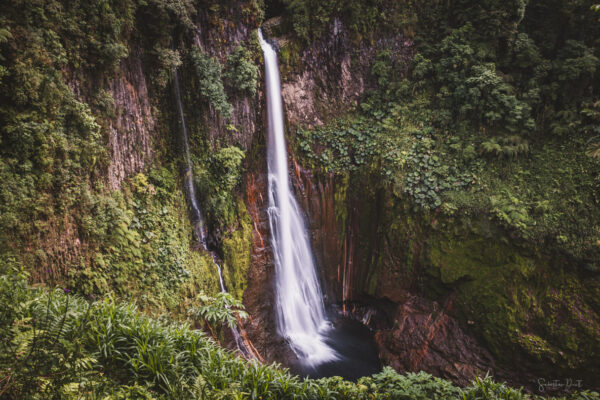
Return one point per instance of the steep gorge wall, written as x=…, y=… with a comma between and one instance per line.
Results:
x=455, y=296
x=129, y=131
x=133, y=129
x=126, y=228
x=505, y=307
x=219, y=38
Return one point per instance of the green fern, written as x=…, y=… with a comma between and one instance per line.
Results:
x=509, y=147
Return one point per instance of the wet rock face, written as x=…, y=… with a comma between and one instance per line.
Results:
x=316, y=199
x=259, y=296
x=219, y=41
x=425, y=337
x=132, y=130
x=412, y=334
x=334, y=73
x=330, y=82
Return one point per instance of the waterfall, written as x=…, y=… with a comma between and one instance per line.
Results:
x=197, y=218
x=299, y=302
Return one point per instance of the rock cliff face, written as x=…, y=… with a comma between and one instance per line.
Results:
x=440, y=296
x=132, y=131
x=416, y=270
x=424, y=337
x=129, y=133
x=330, y=77
x=259, y=295
x=219, y=39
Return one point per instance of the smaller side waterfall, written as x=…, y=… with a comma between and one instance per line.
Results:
x=197, y=218
x=299, y=302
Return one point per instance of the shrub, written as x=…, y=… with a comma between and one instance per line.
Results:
x=224, y=309
x=209, y=74
x=54, y=344
x=240, y=73
x=166, y=61
x=218, y=182
x=508, y=147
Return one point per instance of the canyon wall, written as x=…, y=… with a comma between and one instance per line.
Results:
x=133, y=129
x=454, y=296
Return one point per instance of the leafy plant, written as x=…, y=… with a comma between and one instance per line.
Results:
x=507, y=147
x=343, y=145
x=55, y=344
x=240, y=72
x=423, y=182
x=218, y=181
x=511, y=211
x=224, y=309
x=166, y=60
x=209, y=74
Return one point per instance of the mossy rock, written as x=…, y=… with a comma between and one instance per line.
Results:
x=237, y=248
x=519, y=302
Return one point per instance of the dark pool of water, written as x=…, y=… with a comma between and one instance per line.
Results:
x=354, y=344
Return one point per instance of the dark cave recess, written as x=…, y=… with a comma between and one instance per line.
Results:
x=274, y=8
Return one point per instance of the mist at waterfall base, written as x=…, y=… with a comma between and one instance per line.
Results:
x=322, y=347
x=355, y=348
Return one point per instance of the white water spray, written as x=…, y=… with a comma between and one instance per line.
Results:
x=299, y=302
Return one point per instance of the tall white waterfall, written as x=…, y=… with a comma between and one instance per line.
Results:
x=299, y=302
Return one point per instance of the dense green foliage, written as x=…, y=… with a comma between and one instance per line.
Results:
x=217, y=183
x=224, y=309
x=497, y=116
x=310, y=19
x=490, y=118
x=145, y=243
x=56, y=345
x=241, y=73
x=346, y=145
x=58, y=62
x=210, y=83
x=50, y=141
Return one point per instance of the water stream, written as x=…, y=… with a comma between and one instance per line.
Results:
x=324, y=346
x=197, y=218
x=299, y=302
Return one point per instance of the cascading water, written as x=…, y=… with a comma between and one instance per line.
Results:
x=299, y=302
x=197, y=218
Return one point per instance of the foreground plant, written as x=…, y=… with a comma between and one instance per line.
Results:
x=60, y=346
x=224, y=309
